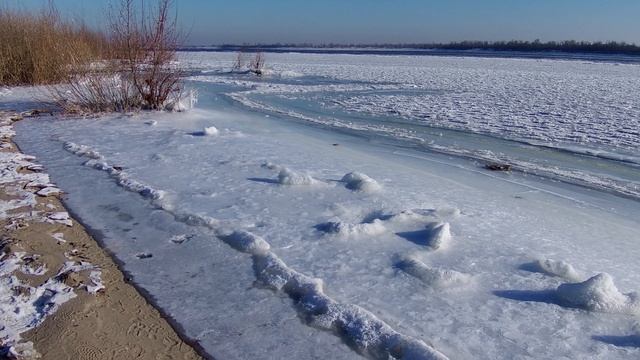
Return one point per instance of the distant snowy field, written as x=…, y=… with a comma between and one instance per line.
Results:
x=337, y=207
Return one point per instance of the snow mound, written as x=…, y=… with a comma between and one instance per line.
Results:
x=246, y=242
x=290, y=177
x=360, y=182
x=439, y=235
x=557, y=268
x=376, y=227
x=434, y=277
x=211, y=131
x=271, y=166
x=369, y=335
x=599, y=293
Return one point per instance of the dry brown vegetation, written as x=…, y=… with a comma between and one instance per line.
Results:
x=129, y=66
x=39, y=48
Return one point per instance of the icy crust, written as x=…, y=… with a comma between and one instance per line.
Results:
x=430, y=276
x=557, y=268
x=290, y=177
x=360, y=182
x=599, y=293
x=361, y=329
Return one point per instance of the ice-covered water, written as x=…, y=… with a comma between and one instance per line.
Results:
x=576, y=121
x=299, y=230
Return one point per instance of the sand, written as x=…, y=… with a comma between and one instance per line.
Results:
x=114, y=323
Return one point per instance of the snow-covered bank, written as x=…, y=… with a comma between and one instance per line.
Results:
x=24, y=306
x=255, y=233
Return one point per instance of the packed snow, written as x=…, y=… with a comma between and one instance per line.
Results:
x=259, y=246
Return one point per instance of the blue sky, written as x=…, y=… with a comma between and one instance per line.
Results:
x=388, y=21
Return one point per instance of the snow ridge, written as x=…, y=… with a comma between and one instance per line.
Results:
x=430, y=276
x=97, y=161
x=360, y=328
x=363, y=330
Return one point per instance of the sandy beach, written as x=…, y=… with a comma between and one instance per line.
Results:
x=69, y=298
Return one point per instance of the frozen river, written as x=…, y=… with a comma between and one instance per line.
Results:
x=245, y=223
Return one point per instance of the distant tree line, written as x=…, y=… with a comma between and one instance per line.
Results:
x=572, y=46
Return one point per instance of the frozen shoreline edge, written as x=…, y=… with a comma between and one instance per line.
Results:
x=96, y=238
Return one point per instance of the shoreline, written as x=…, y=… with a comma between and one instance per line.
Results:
x=67, y=296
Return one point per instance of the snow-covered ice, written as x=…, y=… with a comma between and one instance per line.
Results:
x=258, y=246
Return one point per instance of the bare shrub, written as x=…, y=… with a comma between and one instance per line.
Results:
x=145, y=46
x=140, y=70
x=239, y=63
x=257, y=64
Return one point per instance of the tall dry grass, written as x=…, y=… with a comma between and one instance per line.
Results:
x=42, y=48
x=132, y=65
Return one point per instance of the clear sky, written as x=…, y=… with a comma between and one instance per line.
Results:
x=387, y=21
